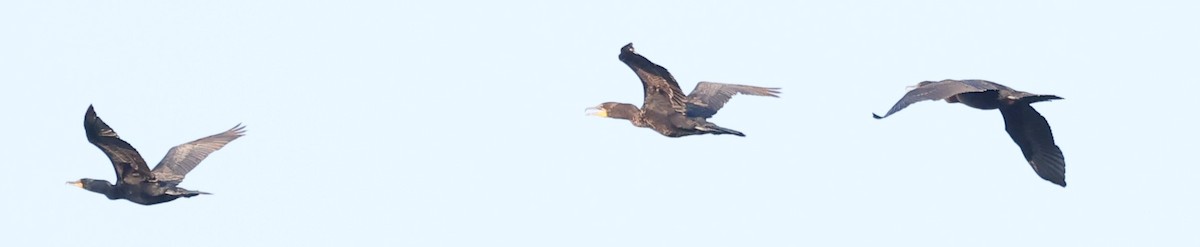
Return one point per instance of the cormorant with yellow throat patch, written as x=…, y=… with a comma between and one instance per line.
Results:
x=136, y=182
x=666, y=109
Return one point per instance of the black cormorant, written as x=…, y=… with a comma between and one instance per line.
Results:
x=1025, y=125
x=136, y=182
x=666, y=109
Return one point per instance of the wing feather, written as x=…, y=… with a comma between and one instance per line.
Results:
x=183, y=158
x=1032, y=133
x=661, y=91
x=709, y=97
x=938, y=91
x=127, y=163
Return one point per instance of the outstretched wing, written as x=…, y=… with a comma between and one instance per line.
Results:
x=929, y=90
x=185, y=157
x=708, y=97
x=127, y=162
x=661, y=90
x=1032, y=133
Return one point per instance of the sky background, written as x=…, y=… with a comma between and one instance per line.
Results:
x=461, y=123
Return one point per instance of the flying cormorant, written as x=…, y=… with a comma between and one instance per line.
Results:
x=1025, y=125
x=135, y=181
x=666, y=109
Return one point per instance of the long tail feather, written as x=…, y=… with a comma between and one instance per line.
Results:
x=1038, y=98
x=718, y=130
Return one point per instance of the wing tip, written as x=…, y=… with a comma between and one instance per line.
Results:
x=1057, y=178
x=1060, y=180
x=876, y=116
x=1052, y=170
x=90, y=114
x=772, y=91
x=239, y=130
x=92, y=125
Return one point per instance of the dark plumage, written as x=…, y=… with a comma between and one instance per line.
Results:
x=136, y=182
x=666, y=109
x=1024, y=124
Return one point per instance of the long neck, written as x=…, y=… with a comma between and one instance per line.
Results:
x=99, y=186
x=627, y=112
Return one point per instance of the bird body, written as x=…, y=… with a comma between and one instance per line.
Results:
x=985, y=100
x=136, y=182
x=140, y=193
x=665, y=108
x=1027, y=128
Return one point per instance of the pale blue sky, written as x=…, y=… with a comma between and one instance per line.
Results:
x=460, y=123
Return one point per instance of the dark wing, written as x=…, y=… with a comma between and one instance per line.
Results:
x=127, y=162
x=661, y=90
x=708, y=97
x=938, y=91
x=1032, y=133
x=185, y=157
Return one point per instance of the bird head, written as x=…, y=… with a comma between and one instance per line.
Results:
x=600, y=110
x=612, y=110
x=94, y=185
x=77, y=183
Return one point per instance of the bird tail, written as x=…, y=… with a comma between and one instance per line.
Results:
x=192, y=193
x=1037, y=98
x=718, y=130
x=185, y=192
